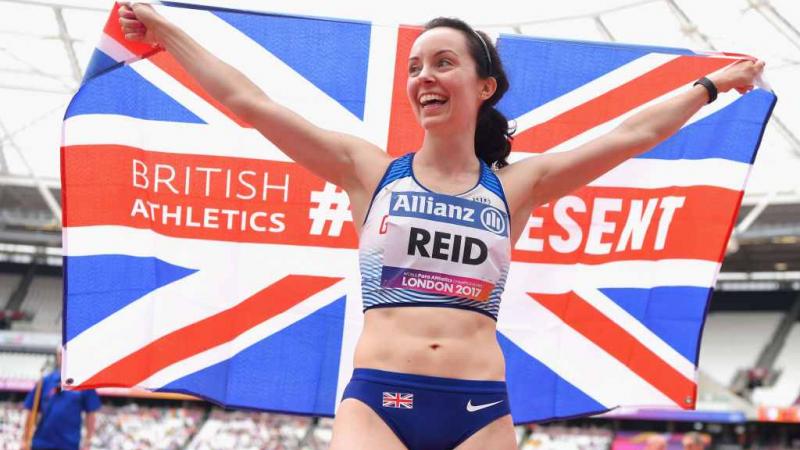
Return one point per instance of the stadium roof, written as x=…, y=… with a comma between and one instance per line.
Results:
x=45, y=46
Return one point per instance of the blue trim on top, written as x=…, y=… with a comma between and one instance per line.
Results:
x=490, y=181
x=397, y=169
x=411, y=164
x=403, y=167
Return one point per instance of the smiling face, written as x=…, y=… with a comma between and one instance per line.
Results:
x=443, y=87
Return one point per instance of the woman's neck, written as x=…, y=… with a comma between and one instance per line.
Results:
x=450, y=153
x=447, y=163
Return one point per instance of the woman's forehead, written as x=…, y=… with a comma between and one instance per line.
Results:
x=441, y=38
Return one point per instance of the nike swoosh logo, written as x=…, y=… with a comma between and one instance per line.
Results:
x=473, y=408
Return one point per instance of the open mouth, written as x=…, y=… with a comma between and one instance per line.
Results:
x=432, y=100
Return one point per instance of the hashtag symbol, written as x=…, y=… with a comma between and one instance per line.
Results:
x=332, y=206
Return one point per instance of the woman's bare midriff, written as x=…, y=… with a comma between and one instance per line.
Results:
x=433, y=341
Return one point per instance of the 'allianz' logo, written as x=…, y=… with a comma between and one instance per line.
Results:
x=493, y=220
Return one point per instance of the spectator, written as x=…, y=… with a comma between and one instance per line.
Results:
x=695, y=441
x=59, y=427
x=655, y=442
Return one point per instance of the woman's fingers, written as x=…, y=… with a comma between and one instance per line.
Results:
x=755, y=71
x=126, y=11
x=741, y=75
x=131, y=23
x=142, y=8
x=134, y=20
x=135, y=37
x=132, y=29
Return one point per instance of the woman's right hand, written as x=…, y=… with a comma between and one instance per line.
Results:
x=140, y=23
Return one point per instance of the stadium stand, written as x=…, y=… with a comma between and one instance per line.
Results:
x=786, y=389
x=44, y=303
x=131, y=427
x=21, y=366
x=11, y=420
x=251, y=431
x=744, y=332
x=8, y=282
x=567, y=438
x=134, y=427
x=323, y=433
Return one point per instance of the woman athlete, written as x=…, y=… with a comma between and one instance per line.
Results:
x=431, y=376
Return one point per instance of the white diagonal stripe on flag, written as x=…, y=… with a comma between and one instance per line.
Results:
x=576, y=359
x=114, y=49
x=636, y=329
x=568, y=101
x=282, y=83
x=606, y=127
x=592, y=89
x=180, y=93
x=178, y=302
x=169, y=137
x=663, y=173
x=86, y=358
x=645, y=173
x=252, y=336
x=561, y=278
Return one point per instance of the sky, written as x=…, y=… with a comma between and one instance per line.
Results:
x=37, y=78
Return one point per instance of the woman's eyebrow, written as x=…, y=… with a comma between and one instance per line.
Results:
x=444, y=50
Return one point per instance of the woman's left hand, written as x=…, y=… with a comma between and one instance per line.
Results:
x=741, y=76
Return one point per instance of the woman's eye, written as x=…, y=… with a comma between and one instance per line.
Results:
x=413, y=70
x=445, y=62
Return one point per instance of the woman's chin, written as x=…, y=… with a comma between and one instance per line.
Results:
x=435, y=123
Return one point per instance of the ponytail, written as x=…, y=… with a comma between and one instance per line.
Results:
x=493, y=137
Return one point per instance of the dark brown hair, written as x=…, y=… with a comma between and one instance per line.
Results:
x=492, y=132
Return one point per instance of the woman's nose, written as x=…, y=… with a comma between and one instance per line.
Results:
x=426, y=76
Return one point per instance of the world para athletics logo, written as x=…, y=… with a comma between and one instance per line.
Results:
x=493, y=220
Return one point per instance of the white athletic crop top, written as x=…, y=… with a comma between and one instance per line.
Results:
x=420, y=248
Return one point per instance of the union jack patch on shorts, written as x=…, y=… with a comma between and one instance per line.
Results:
x=398, y=400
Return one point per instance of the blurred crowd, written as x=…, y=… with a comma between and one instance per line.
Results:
x=568, y=438
x=240, y=430
x=11, y=421
x=136, y=427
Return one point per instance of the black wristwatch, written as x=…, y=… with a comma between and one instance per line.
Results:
x=710, y=87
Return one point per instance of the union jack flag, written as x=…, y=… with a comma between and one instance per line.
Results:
x=200, y=259
x=398, y=400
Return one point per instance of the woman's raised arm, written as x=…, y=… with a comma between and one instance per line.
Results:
x=343, y=159
x=535, y=181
